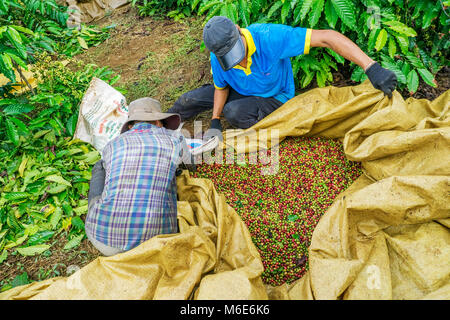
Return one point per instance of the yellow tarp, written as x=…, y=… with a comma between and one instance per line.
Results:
x=20, y=86
x=386, y=237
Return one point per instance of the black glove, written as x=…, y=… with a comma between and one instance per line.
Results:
x=382, y=79
x=215, y=129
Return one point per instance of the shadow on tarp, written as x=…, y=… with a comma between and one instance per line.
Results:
x=385, y=237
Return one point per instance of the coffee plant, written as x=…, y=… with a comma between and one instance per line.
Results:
x=28, y=27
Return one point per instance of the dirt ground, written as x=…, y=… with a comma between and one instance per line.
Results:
x=160, y=59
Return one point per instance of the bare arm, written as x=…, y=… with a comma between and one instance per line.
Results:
x=220, y=97
x=341, y=45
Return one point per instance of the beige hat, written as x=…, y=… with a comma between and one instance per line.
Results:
x=149, y=109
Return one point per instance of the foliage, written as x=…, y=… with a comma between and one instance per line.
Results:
x=32, y=26
x=44, y=178
x=55, y=103
x=43, y=191
x=176, y=9
x=410, y=37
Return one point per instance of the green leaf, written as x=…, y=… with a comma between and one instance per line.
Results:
x=13, y=36
x=57, y=189
x=308, y=78
x=82, y=43
x=372, y=38
x=208, y=6
x=40, y=237
x=194, y=4
x=20, y=280
x=20, y=125
x=214, y=11
x=412, y=81
x=19, y=61
x=233, y=12
x=428, y=77
x=3, y=256
x=77, y=223
x=401, y=78
x=392, y=47
x=11, y=196
x=340, y=59
x=293, y=217
x=401, y=28
x=316, y=12
x=381, y=40
x=18, y=108
x=72, y=124
x=330, y=14
x=11, y=132
x=285, y=11
x=55, y=218
x=256, y=8
x=33, y=250
x=277, y=5
x=428, y=17
x=58, y=179
x=306, y=6
x=346, y=11
x=415, y=61
x=243, y=13
x=23, y=29
x=73, y=243
x=17, y=242
x=358, y=75
x=403, y=42
x=7, y=61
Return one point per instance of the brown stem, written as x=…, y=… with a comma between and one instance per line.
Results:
x=23, y=78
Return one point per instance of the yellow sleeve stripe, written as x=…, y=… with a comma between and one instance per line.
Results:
x=307, y=41
x=218, y=88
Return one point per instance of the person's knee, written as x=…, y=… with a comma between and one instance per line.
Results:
x=231, y=113
x=182, y=102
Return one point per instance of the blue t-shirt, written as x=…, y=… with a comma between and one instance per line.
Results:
x=269, y=70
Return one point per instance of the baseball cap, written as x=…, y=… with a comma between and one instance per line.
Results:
x=221, y=37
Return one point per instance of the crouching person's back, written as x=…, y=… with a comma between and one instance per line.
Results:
x=133, y=193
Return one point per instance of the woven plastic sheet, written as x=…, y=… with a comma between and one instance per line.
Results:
x=91, y=10
x=386, y=237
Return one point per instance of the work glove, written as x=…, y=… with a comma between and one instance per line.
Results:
x=382, y=79
x=215, y=130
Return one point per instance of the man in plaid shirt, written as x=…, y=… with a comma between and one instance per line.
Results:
x=132, y=194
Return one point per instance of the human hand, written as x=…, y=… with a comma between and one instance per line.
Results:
x=382, y=79
x=215, y=130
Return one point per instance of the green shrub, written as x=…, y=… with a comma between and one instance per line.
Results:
x=28, y=27
x=55, y=102
x=44, y=175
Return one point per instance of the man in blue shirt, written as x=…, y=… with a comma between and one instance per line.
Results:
x=252, y=70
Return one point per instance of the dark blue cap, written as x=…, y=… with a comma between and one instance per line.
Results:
x=222, y=37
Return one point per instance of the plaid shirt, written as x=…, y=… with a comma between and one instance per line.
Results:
x=139, y=199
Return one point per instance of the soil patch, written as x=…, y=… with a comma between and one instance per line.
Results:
x=19, y=270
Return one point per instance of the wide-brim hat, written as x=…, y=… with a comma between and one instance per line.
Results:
x=222, y=38
x=149, y=109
